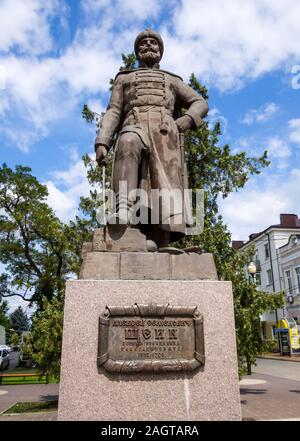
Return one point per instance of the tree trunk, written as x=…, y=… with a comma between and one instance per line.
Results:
x=249, y=370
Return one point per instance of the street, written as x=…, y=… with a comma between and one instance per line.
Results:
x=272, y=392
x=10, y=395
x=283, y=369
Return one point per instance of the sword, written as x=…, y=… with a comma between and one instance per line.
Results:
x=181, y=140
x=187, y=203
x=104, y=221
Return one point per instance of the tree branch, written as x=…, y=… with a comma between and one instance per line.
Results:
x=15, y=294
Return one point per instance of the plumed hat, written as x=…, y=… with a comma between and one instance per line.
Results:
x=148, y=33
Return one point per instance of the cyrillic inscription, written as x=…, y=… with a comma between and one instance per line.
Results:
x=151, y=337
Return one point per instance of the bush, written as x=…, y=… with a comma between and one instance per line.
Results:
x=270, y=346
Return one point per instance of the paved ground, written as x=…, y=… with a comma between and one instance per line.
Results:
x=272, y=392
x=277, y=396
x=274, y=399
x=27, y=393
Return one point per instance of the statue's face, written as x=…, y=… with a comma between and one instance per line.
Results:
x=149, y=51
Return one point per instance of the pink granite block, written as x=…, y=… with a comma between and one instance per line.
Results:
x=88, y=393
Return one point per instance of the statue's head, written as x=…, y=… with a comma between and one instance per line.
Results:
x=149, y=48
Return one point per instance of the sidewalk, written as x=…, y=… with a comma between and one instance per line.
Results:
x=263, y=397
x=275, y=356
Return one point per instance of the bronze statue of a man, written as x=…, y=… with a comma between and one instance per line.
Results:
x=144, y=121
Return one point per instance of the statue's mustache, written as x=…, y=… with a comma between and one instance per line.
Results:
x=149, y=49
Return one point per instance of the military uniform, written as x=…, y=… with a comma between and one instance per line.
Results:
x=143, y=107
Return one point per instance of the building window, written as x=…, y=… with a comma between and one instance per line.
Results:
x=289, y=282
x=269, y=277
x=267, y=251
x=258, y=279
x=298, y=278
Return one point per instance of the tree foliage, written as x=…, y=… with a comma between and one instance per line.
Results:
x=4, y=317
x=14, y=339
x=249, y=304
x=43, y=344
x=19, y=320
x=38, y=250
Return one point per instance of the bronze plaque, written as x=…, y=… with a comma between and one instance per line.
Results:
x=151, y=338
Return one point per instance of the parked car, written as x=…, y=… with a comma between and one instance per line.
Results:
x=8, y=348
x=4, y=359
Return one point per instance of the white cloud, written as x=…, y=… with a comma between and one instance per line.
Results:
x=264, y=113
x=278, y=148
x=126, y=10
x=249, y=212
x=87, y=67
x=66, y=187
x=75, y=174
x=3, y=105
x=215, y=115
x=25, y=24
x=21, y=138
x=254, y=208
x=39, y=91
x=63, y=203
x=294, y=125
x=95, y=106
x=227, y=43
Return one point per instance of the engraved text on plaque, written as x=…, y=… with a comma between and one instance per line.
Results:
x=151, y=338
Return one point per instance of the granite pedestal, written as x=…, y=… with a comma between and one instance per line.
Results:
x=88, y=392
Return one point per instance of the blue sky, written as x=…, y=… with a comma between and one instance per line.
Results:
x=57, y=55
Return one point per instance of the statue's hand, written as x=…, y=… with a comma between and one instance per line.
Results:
x=101, y=153
x=184, y=123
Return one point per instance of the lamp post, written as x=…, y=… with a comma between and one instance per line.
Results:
x=252, y=270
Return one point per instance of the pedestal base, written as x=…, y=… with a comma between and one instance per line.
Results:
x=88, y=393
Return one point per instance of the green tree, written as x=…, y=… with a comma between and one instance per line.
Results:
x=249, y=304
x=39, y=251
x=43, y=344
x=14, y=339
x=19, y=320
x=4, y=317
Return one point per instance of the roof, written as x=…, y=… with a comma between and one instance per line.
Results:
x=297, y=236
x=277, y=227
x=287, y=222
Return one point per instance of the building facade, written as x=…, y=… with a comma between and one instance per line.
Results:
x=274, y=258
x=289, y=258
